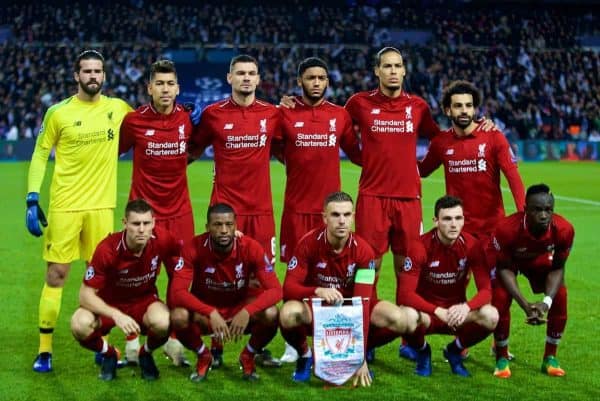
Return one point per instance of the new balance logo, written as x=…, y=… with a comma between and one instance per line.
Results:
x=376, y=111
x=450, y=152
x=228, y=126
x=149, y=132
x=299, y=124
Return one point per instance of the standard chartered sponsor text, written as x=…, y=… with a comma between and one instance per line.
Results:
x=392, y=126
x=162, y=149
x=462, y=166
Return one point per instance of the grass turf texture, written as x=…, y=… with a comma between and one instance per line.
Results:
x=74, y=376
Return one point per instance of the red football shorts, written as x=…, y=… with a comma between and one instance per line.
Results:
x=262, y=229
x=388, y=222
x=136, y=310
x=293, y=227
x=180, y=227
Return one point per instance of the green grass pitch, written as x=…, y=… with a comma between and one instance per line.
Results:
x=577, y=189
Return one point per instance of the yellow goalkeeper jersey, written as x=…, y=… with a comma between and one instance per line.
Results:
x=86, y=138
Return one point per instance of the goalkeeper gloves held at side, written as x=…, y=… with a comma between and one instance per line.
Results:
x=35, y=214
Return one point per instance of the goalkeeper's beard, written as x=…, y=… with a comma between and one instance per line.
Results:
x=89, y=90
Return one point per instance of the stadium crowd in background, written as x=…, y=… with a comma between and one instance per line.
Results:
x=538, y=81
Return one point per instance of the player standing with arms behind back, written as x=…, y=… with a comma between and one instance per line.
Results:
x=388, y=209
x=241, y=129
x=158, y=132
x=313, y=130
x=84, y=130
x=472, y=160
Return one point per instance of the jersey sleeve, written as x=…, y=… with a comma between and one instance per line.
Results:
x=265, y=273
x=427, y=127
x=408, y=279
x=46, y=140
x=127, y=134
x=432, y=159
x=294, y=286
x=349, y=141
x=508, y=165
x=563, y=247
x=478, y=266
x=180, y=295
x=95, y=275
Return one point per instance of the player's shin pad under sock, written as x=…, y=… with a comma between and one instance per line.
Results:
x=49, y=308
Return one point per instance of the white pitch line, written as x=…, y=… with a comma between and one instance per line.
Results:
x=505, y=189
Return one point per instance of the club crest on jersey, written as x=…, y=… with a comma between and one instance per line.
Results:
x=407, y=264
x=149, y=132
x=462, y=263
x=263, y=140
x=179, y=264
x=263, y=125
x=408, y=113
x=182, y=131
x=292, y=263
x=350, y=271
x=239, y=270
x=376, y=111
x=481, y=152
x=332, y=124
x=89, y=273
x=228, y=126
x=299, y=124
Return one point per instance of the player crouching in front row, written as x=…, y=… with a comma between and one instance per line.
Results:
x=333, y=263
x=434, y=281
x=210, y=293
x=119, y=289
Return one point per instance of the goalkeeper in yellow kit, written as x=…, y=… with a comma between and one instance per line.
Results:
x=84, y=130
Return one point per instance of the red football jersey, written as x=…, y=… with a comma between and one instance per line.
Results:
x=530, y=255
x=159, y=144
x=472, y=166
x=120, y=276
x=389, y=128
x=315, y=264
x=241, y=138
x=221, y=280
x=312, y=137
x=435, y=274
